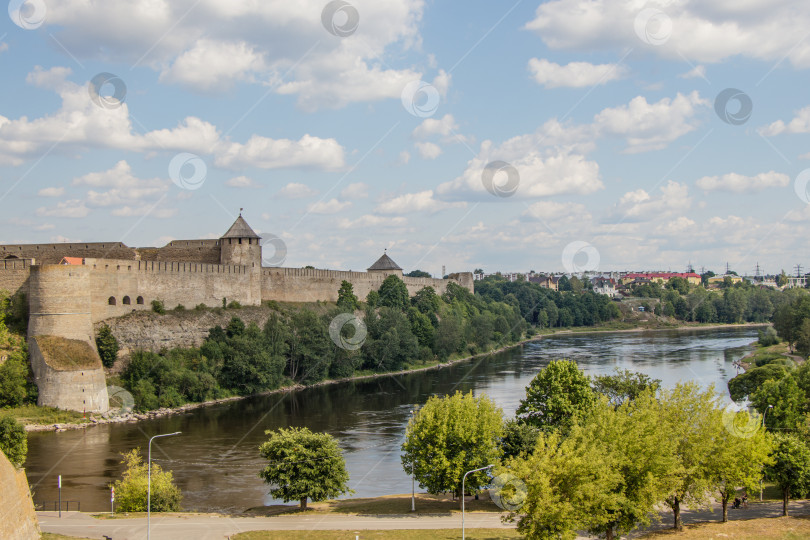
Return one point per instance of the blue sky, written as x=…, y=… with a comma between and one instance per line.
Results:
x=347, y=127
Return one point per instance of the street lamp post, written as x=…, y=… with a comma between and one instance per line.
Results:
x=763, y=425
x=149, y=485
x=463, y=480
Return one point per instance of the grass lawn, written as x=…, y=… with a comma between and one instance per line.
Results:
x=422, y=534
x=789, y=528
x=387, y=505
x=31, y=414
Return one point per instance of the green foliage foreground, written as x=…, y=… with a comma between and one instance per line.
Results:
x=13, y=441
x=131, y=490
x=303, y=465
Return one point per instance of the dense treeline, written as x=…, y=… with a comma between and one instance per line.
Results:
x=305, y=346
x=741, y=302
x=548, y=308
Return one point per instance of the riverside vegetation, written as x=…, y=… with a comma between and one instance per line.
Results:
x=294, y=346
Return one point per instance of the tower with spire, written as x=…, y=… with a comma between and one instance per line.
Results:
x=241, y=245
x=385, y=265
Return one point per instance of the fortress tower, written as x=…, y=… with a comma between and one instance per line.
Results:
x=241, y=245
x=385, y=266
x=66, y=366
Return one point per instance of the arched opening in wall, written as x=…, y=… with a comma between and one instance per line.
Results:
x=111, y=301
x=11, y=257
x=126, y=301
x=139, y=300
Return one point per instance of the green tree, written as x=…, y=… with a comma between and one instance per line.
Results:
x=347, y=301
x=790, y=469
x=623, y=385
x=605, y=476
x=394, y=293
x=309, y=345
x=13, y=380
x=678, y=284
x=557, y=395
x=13, y=440
x=131, y=490
x=519, y=439
x=740, y=453
x=107, y=346
x=783, y=400
x=803, y=338
x=746, y=384
x=689, y=423
x=418, y=273
x=449, y=436
x=303, y=465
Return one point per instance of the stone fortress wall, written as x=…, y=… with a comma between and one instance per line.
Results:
x=105, y=280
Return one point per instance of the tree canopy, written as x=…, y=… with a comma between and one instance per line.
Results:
x=131, y=489
x=303, y=466
x=556, y=397
x=449, y=436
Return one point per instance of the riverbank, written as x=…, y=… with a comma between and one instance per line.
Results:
x=94, y=420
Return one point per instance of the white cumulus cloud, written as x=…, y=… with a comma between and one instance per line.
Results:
x=739, y=183
x=574, y=74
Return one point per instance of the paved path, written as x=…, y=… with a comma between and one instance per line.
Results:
x=215, y=527
x=211, y=527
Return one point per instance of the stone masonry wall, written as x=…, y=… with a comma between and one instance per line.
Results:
x=173, y=283
x=82, y=390
x=310, y=285
x=14, y=275
x=18, y=521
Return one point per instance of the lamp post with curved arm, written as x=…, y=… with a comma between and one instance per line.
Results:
x=463, y=480
x=149, y=485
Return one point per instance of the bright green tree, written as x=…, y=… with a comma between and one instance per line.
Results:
x=347, y=301
x=107, y=346
x=303, y=466
x=689, y=422
x=557, y=395
x=790, y=469
x=131, y=490
x=394, y=293
x=449, y=436
x=605, y=476
x=13, y=440
x=740, y=453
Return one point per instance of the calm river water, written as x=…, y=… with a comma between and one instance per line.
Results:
x=216, y=460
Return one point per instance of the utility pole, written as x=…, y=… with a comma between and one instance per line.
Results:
x=798, y=270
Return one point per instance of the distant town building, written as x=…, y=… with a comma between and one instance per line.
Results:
x=661, y=277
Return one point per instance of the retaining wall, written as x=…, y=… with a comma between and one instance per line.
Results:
x=18, y=521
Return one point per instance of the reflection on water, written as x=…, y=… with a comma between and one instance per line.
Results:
x=216, y=461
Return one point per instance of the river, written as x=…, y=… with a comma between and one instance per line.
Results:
x=216, y=461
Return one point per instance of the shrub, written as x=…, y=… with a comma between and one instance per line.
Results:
x=234, y=305
x=179, y=307
x=158, y=307
x=200, y=307
x=131, y=490
x=13, y=440
x=768, y=337
x=107, y=346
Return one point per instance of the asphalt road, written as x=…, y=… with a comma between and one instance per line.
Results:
x=216, y=527
x=212, y=527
